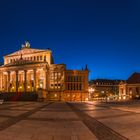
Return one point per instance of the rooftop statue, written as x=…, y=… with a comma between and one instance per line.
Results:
x=26, y=45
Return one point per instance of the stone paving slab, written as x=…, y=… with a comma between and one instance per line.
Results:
x=107, y=113
x=60, y=115
x=2, y=119
x=128, y=109
x=11, y=112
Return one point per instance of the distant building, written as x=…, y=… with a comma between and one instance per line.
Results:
x=33, y=70
x=131, y=87
x=104, y=88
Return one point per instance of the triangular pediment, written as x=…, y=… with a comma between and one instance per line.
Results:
x=26, y=51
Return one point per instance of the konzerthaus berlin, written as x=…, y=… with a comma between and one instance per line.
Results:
x=33, y=70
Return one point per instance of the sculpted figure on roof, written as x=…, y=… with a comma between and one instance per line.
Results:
x=26, y=45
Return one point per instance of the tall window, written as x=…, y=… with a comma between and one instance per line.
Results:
x=45, y=58
x=137, y=90
x=37, y=58
x=41, y=57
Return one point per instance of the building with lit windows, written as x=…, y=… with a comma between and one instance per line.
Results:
x=130, y=89
x=105, y=88
x=33, y=70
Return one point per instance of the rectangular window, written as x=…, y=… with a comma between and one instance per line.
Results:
x=44, y=58
x=41, y=57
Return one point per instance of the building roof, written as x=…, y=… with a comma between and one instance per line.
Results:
x=134, y=78
x=105, y=82
x=26, y=49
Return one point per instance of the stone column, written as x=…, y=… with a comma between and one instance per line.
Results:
x=124, y=92
x=25, y=80
x=34, y=80
x=16, y=81
x=8, y=81
x=45, y=79
x=0, y=81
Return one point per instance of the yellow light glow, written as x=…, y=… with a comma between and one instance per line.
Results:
x=91, y=89
x=86, y=99
x=28, y=86
x=124, y=97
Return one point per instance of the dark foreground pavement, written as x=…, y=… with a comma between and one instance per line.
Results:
x=69, y=121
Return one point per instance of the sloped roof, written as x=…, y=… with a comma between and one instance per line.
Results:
x=134, y=78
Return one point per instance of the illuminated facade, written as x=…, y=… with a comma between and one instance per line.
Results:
x=105, y=88
x=130, y=89
x=33, y=70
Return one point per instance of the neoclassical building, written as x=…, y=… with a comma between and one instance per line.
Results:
x=31, y=70
x=130, y=89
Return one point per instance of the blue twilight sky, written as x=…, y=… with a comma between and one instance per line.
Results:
x=105, y=34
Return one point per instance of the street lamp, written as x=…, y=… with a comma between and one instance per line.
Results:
x=91, y=90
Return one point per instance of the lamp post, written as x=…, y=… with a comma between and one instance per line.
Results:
x=91, y=91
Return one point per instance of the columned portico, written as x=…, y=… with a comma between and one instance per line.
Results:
x=1, y=81
x=26, y=80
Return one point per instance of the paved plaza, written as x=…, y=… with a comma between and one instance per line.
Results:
x=70, y=121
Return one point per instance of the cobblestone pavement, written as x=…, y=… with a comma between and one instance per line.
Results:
x=69, y=121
